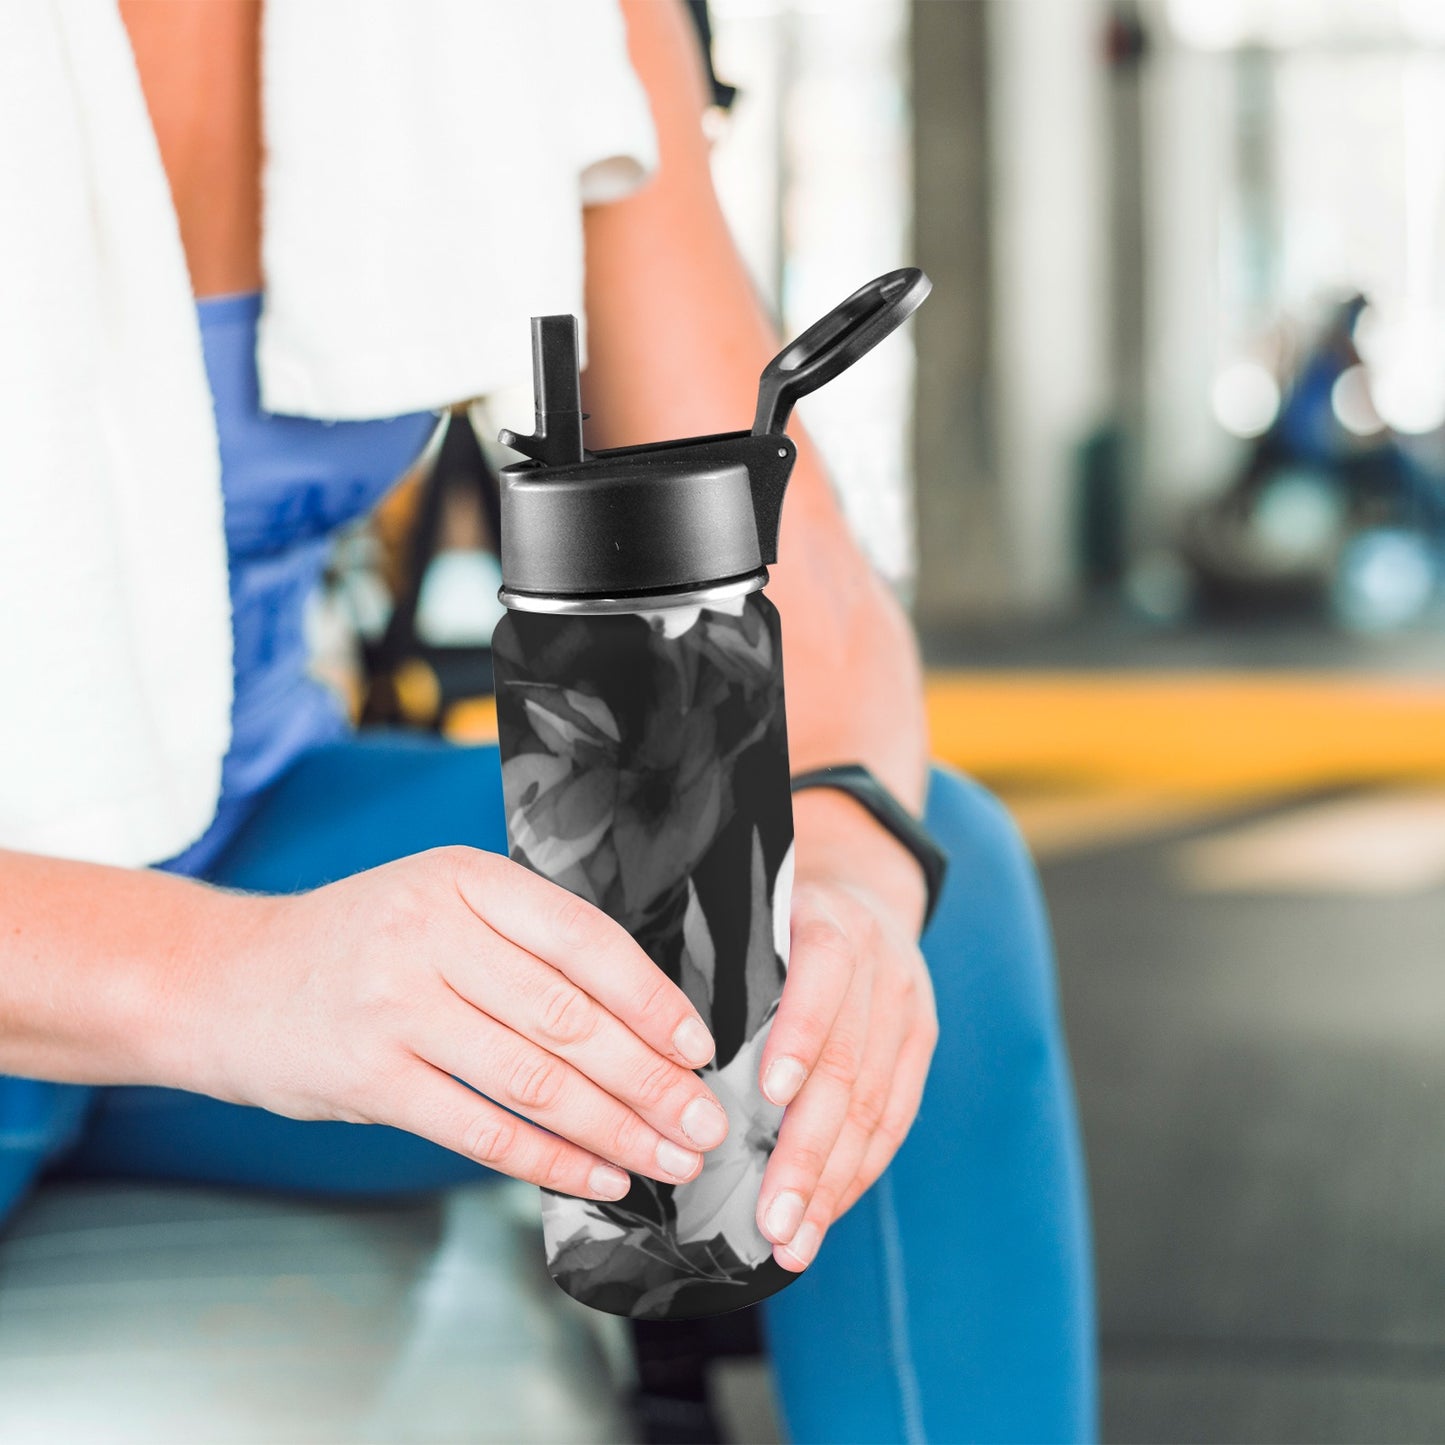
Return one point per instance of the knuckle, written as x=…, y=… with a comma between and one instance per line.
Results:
x=891, y=1133
x=809, y=1029
x=471, y=873
x=809, y=1160
x=565, y=1014
x=381, y=991
x=826, y=941
x=896, y=988
x=653, y=996
x=839, y=1059
x=556, y=1165
x=869, y=934
x=654, y=1083
x=897, y=1120
x=451, y=857
x=627, y=1137
x=886, y=1142
x=576, y=924
x=823, y=1206
x=424, y=876
x=866, y=1109
x=536, y=1082
x=490, y=1137
x=405, y=914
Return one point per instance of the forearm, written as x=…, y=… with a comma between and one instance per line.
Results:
x=855, y=690
x=677, y=339
x=97, y=966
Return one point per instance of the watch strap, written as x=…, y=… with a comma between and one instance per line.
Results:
x=859, y=783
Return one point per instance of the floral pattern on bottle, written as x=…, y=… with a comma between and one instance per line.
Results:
x=645, y=769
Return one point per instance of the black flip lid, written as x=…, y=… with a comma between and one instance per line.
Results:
x=678, y=514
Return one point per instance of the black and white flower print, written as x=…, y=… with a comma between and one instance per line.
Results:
x=645, y=768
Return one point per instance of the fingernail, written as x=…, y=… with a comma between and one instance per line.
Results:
x=673, y=1159
x=693, y=1042
x=784, y=1216
x=783, y=1080
x=609, y=1183
x=704, y=1123
x=804, y=1244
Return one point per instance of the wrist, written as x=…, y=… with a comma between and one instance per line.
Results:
x=105, y=971
x=839, y=841
x=191, y=1000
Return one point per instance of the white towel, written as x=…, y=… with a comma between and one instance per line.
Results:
x=115, y=677
x=427, y=165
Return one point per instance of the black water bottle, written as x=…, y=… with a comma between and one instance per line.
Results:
x=639, y=679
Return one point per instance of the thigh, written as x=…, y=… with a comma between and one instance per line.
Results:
x=340, y=809
x=365, y=801
x=954, y=1302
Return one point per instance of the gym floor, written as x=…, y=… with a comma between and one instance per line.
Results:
x=1263, y=1097
x=1246, y=874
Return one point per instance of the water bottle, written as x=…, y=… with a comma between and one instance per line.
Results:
x=639, y=683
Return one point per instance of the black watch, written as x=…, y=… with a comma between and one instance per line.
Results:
x=860, y=785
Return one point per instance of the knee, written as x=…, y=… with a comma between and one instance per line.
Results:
x=970, y=819
x=991, y=877
x=988, y=945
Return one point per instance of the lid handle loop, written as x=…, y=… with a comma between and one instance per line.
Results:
x=831, y=345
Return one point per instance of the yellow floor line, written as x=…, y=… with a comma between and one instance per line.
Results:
x=1228, y=732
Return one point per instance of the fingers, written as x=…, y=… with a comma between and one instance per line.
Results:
x=438, y=1108
x=811, y=1127
x=900, y=1112
x=819, y=976
x=485, y=1053
x=869, y=1095
x=581, y=942
x=890, y=1023
x=545, y=1006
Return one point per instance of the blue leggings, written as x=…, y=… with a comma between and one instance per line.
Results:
x=953, y=1303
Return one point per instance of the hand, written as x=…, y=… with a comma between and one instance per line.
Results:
x=856, y=1027
x=367, y=1000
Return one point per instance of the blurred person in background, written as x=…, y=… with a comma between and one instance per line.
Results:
x=234, y=931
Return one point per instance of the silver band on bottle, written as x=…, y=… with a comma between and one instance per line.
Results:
x=641, y=602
